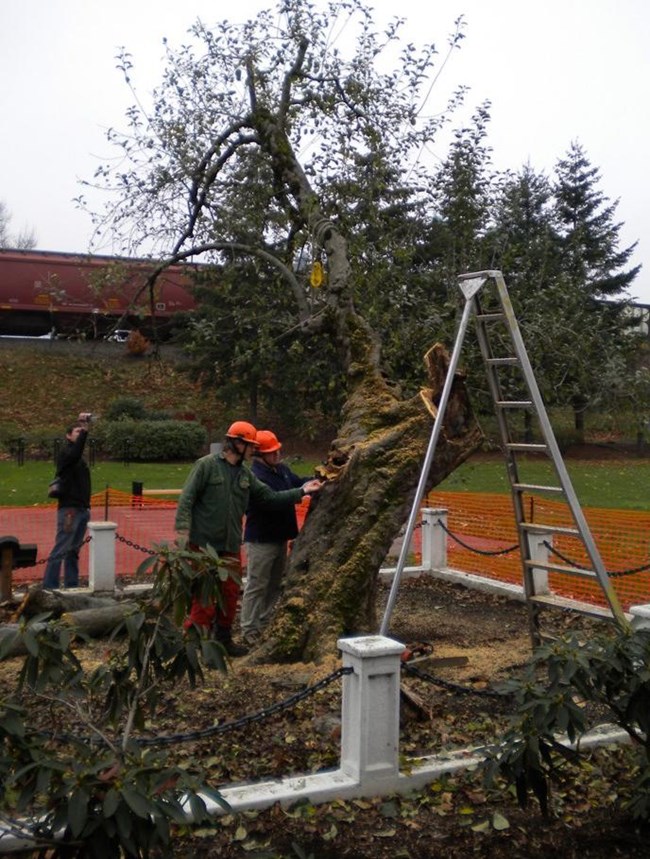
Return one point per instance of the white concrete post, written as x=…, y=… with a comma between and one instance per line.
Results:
x=640, y=616
x=539, y=552
x=101, y=563
x=434, y=538
x=370, y=709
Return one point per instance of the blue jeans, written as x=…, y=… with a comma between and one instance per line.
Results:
x=70, y=531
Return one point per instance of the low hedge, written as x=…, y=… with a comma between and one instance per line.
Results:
x=152, y=440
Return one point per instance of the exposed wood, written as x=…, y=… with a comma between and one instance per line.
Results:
x=98, y=622
x=414, y=704
x=39, y=601
x=376, y=462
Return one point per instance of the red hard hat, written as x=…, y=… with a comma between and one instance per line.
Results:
x=243, y=431
x=267, y=441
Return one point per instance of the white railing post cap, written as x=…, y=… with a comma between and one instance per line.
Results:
x=370, y=645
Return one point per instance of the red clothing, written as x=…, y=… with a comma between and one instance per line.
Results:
x=206, y=615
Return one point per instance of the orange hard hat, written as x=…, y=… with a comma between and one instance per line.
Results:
x=267, y=441
x=243, y=431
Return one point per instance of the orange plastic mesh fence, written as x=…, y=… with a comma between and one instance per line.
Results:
x=482, y=521
x=486, y=522
x=142, y=522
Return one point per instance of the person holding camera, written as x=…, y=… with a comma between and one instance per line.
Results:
x=73, y=512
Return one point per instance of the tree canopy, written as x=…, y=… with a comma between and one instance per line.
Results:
x=286, y=152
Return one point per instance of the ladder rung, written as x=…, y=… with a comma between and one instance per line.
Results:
x=490, y=317
x=516, y=445
x=532, y=487
x=514, y=404
x=552, y=601
x=510, y=360
x=549, y=529
x=559, y=568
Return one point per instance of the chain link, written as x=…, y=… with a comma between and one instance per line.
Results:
x=613, y=574
x=62, y=555
x=214, y=730
x=471, y=548
x=451, y=687
x=249, y=719
x=131, y=544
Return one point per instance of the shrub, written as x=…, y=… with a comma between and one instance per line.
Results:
x=146, y=440
x=126, y=408
x=96, y=790
x=137, y=343
x=611, y=671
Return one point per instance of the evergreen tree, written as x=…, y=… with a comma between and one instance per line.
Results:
x=593, y=268
x=593, y=262
x=525, y=246
x=464, y=187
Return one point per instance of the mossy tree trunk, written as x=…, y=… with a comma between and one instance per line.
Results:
x=331, y=584
x=382, y=439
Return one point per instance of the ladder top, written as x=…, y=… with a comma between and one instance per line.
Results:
x=484, y=274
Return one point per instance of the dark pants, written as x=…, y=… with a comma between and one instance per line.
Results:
x=70, y=531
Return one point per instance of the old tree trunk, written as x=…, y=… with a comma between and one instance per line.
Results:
x=375, y=463
x=381, y=443
x=333, y=572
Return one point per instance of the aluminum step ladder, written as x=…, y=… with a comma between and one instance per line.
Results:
x=509, y=373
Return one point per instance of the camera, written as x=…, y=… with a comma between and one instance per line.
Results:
x=86, y=416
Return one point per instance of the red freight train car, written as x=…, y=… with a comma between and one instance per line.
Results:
x=41, y=291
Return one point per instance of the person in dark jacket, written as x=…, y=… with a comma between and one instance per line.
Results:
x=210, y=510
x=267, y=533
x=73, y=510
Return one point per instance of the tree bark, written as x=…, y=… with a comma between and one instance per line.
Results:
x=93, y=622
x=331, y=583
x=38, y=601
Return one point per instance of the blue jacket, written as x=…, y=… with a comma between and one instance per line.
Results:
x=267, y=524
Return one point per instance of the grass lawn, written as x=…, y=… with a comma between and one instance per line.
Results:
x=26, y=485
x=616, y=483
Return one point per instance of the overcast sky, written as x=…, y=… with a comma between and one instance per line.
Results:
x=555, y=72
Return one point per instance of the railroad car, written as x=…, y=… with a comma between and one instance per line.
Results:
x=69, y=294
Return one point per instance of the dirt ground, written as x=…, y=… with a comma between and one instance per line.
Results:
x=452, y=818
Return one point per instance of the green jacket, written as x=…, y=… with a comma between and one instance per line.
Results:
x=215, y=497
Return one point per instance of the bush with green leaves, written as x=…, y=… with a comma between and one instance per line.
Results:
x=610, y=671
x=133, y=409
x=149, y=441
x=126, y=408
x=76, y=778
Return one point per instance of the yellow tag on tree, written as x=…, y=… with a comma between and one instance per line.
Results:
x=316, y=277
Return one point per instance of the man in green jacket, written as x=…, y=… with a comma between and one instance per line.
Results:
x=210, y=511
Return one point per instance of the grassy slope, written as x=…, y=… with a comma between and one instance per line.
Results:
x=44, y=390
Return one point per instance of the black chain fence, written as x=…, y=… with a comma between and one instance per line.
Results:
x=460, y=542
x=613, y=574
x=215, y=730
x=449, y=686
x=61, y=555
x=132, y=545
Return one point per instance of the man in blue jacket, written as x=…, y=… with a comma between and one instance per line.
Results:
x=210, y=510
x=73, y=511
x=267, y=534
